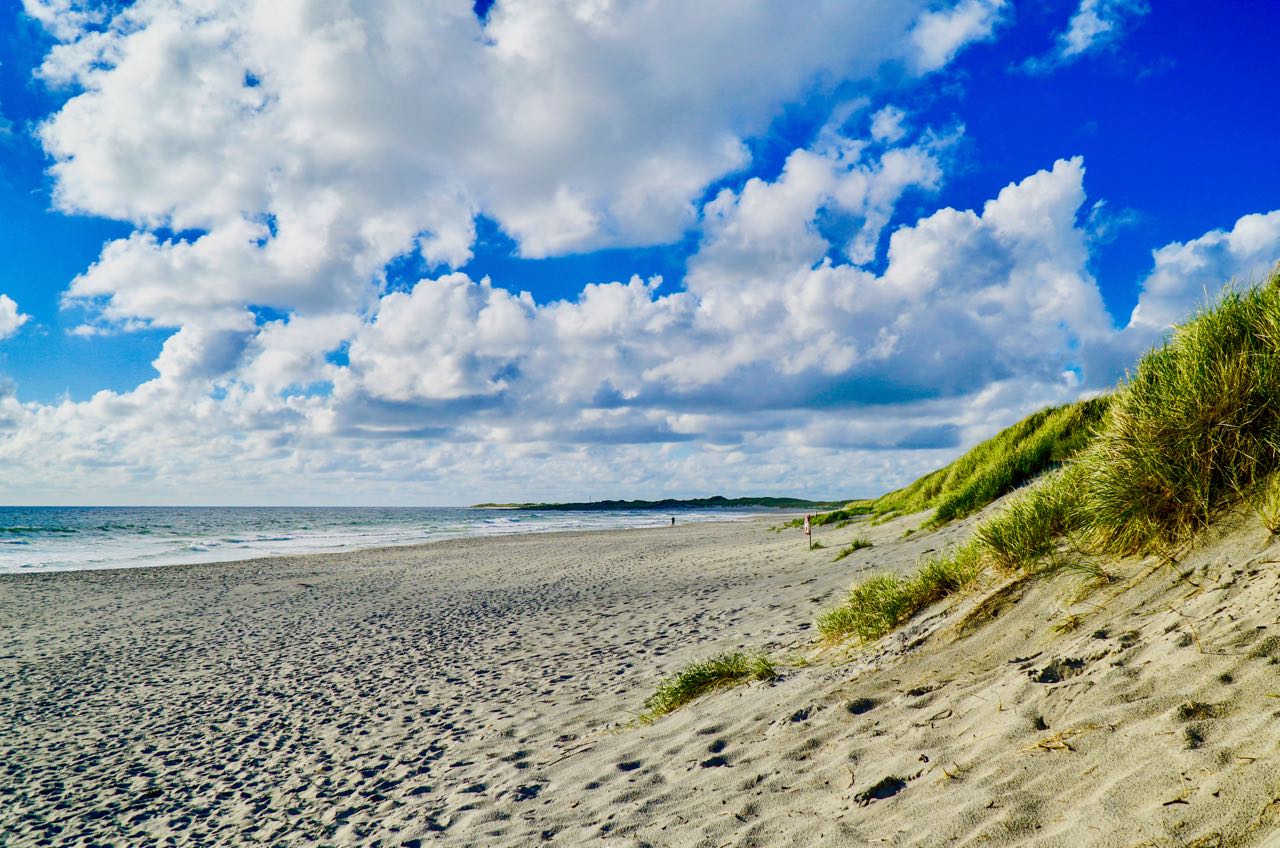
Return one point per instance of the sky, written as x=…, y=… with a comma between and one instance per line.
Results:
x=396, y=252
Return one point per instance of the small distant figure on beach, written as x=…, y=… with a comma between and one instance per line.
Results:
x=808, y=532
x=673, y=521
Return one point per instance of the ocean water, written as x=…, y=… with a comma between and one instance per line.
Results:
x=34, y=539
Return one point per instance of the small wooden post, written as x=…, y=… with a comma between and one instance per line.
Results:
x=808, y=532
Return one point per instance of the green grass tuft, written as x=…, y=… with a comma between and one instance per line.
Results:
x=839, y=517
x=1068, y=624
x=697, y=679
x=852, y=547
x=947, y=574
x=847, y=513
x=1027, y=530
x=1197, y=424
x=873, y=608
x=1267, y=505
x=880, y=604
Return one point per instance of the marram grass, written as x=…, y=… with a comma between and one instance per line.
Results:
x=947, y=575
x=1028, y=528
x=879, y=605
x=991, y=469
x=1266, y=503
x=847, y=513
x=697, y=679
x=1194, y=429
x=853, y=547
x=1021, y=453
x=873, y=608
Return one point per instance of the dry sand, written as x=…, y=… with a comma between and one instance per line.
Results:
x=482, y=692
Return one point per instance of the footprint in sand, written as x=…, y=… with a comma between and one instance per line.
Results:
x=858, y=706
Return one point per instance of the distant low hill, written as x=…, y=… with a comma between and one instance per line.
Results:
x=717, y=502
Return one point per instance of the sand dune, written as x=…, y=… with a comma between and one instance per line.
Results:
x=483, y=692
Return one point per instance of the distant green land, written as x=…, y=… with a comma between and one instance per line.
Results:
x=717, y=502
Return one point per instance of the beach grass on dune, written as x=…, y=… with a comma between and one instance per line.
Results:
x=1028, y=528
x=1196, y=427
x=848, y=512
x=698, y=678
x=1194, y=430
x=839, y=517
x=1266, y=504
x=1040, y=442
x=880, y=604
x=1022, y=452
x=853, y=547
x=873, y=608
x=947, y=574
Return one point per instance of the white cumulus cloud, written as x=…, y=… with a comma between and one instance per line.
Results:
x=939, y=35
x=976, y=313
x=1095, y=25
x=302, y=146
x=274, y=158
x=10, y=318
x=1189, y=274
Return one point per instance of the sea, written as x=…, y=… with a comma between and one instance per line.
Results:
x=37, y=539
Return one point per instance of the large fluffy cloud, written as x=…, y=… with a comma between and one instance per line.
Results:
x=303, y=145
x=768, y=357
x=1189, y=274
x=779, y=361
x=276, y=156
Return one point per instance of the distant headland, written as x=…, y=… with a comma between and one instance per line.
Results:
x=716, y=502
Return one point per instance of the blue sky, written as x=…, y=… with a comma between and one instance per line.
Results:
x=309, y=258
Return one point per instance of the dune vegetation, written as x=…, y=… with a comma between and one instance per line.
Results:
x=877, y=606
x=1022, y=452
x=853, y=547
x=1194, y=430
x=1019, y=453
x=697, y=679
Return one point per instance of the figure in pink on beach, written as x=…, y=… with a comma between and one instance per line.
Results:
x=808, y=532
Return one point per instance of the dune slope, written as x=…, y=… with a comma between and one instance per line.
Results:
x=1146, y=714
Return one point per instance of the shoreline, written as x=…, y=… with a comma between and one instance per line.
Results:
x=405, y=546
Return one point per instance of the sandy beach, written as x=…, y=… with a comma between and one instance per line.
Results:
x=367, y=698
x=484, y=692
